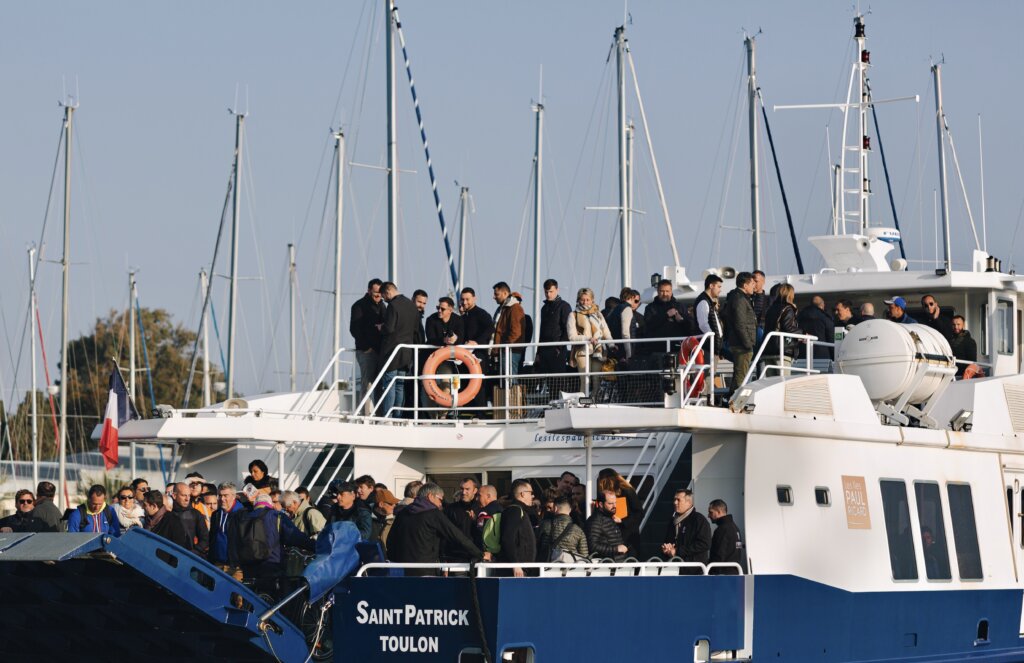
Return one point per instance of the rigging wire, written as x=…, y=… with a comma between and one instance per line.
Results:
x=782, y=188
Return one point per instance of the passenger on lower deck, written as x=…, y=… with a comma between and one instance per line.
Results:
x=604, y=536
x=688, y=535
x=726, y=543
x=420, y=529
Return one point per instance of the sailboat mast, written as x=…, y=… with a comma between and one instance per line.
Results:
x=233, y=295
x=291, y=317
x=943, y=192
x=65, y=264
x=389, y=41
x=538, y=214
x=620, y=69
x=863, y=145
x=463, y=227
x=132, y=295
x=755, y=204
x=32, y=338
x=339, y=138
x=204, y=287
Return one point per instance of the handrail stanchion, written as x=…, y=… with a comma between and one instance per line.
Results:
x=416, y=383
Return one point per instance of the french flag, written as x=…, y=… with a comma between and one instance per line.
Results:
x=119, y=410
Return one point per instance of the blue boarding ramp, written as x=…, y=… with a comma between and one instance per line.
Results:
x=90, y=597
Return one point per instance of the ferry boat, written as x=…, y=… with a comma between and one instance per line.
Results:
x=879, y=499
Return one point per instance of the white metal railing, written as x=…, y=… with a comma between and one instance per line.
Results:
x=809, y=342
x=592, y=569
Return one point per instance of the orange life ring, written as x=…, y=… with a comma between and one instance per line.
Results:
x=686, y=350
x=973, y=371
x=444, y=397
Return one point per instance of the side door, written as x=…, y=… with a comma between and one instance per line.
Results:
x=1013, y=481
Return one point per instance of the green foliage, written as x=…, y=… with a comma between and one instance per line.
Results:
x=90, y=359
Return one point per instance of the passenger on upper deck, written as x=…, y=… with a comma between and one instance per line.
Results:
x=709, y=319
x=760, y=301
x=479, y=328
x=866, y=312
x=740, y=327
x=664, y=317
x=726, y=543
x=420, y=529
x=554, y=319
x=935, y=318
x=898, y=311
x=688, y=535
x=843, y=314
x=400, y=322
x=445, y=327
x=781, y=317
x=365, y=322
x=963, y=346
x=509, y=326
x=587, y=328
x=815, y=322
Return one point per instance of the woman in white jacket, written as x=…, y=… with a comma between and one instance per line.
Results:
x=587, y=328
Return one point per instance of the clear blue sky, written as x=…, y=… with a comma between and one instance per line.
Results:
x=155, y=140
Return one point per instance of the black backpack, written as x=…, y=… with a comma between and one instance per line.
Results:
x=253, y=545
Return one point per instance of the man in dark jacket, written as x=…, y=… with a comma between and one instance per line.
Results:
x=740, y=327
x=664, y=317
x=23, y=519
x=400, y=323
x=604, y=536
x=421, y=528
x=348, y=507
x=462, y=513
x=935, y=318
x=445, y=327
x=688, y=535
x=760, y=300
x=162, y=522
x=518, y=543
x=45, y=509
x=479, y=329
x=193, y=521
x=554, y=324
x=279, y=531
x=220, y=521
x=897, y=311
x=963, y=346
x=365, y=322
x=726, y=543
x=813, y=320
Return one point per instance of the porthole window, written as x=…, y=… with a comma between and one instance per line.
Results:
x=784, y=494
x=822, y=496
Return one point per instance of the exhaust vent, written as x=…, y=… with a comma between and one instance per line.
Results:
x=813, y=396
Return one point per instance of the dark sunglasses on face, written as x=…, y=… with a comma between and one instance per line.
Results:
x=127, y=496
x=26, y=501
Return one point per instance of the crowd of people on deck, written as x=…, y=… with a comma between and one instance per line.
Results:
x=259, y=531
x=587, y=339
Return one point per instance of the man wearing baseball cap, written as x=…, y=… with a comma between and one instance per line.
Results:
x=898, y=311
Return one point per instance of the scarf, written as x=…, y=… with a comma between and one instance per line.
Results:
x=157, y=517
x=129, y=519
x=678, y=519
x=591, y=310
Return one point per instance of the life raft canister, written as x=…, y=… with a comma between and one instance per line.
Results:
x=444, y=397
x=690, y=345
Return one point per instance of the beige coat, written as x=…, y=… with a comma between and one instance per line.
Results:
x=583, y=329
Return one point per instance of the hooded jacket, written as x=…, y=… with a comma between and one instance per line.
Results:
x=219, y=525
x=83, y=520
x=418, y=532
x=508, y=322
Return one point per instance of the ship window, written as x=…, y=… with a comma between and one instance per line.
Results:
x=965, y=531
x=933, y=531
x=896, y=510
x=822, y=497
x=1004, y=327
x=784, y=494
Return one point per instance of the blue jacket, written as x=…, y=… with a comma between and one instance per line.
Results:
x=81, y=520
x=219, y=533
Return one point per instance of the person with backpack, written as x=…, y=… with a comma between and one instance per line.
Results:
x=518, y=543
x=490, y=507
x=308, y=520
x=420, y=529
x=559, y=538
x=256, y=539
x=163, y=522
x=95, y=515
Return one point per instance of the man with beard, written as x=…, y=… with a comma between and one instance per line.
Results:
x=421, y=529
x=726, y=543
x=462, y=513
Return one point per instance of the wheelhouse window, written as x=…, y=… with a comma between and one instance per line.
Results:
x=896, y=509
x=1004, y=327
x=965, y=531
x=933, y=531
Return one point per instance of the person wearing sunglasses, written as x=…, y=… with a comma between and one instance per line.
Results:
x=129, y=512
x=23, y=519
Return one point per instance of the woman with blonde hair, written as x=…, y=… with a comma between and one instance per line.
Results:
x=586, y=329
x=780, y=317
